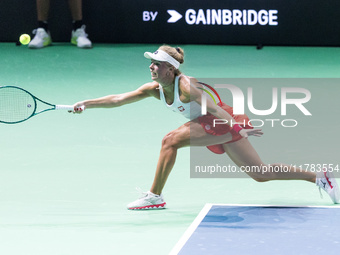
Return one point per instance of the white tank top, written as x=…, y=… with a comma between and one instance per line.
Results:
x=190, y=110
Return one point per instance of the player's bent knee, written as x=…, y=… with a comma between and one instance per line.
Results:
x=264, y=177
x=170, y=140
x=260, y=179
x=261, y=173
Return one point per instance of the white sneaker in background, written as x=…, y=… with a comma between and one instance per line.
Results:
x=79, y=38
x=41, y=39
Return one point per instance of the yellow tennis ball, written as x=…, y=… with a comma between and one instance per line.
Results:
x=25, y=39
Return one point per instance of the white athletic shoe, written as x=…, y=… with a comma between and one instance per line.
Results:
x=148, y=201
x=325, y=180
x=79, y=38
x=41, y=39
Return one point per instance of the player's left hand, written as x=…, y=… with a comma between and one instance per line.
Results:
x=251, y=132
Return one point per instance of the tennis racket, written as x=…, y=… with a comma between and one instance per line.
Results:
x=18, y=105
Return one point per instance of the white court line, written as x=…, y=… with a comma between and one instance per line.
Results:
x=187, y=234
x=335, y=206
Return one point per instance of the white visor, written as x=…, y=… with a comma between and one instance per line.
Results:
x=160, y=55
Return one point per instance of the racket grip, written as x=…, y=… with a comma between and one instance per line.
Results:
x=67, y=107
x=64, y=107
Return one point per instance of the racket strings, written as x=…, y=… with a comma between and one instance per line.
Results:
x=15, y=105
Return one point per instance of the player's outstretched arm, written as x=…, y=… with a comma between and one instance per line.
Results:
x=145, y=91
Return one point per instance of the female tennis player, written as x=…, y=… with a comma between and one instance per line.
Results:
x=182, y=94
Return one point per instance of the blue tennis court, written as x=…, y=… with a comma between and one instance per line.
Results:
x=256, y=229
